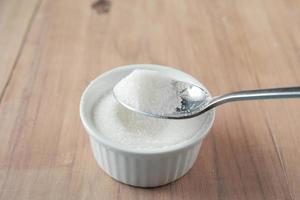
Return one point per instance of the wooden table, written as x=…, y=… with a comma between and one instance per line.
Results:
x=51, y=49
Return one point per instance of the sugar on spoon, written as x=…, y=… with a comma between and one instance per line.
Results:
x=196, y=101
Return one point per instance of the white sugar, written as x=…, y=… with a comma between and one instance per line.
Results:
x=136, y=131
x=152, y=92
x=148, y=91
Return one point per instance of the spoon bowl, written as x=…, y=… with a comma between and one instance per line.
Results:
x=193, y=98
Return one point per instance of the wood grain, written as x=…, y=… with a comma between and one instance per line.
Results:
x=15, y=20
x=252, y=151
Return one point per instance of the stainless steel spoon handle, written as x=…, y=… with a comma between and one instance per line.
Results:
x=272, y=93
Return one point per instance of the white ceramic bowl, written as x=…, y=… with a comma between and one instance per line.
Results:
x=143, y=168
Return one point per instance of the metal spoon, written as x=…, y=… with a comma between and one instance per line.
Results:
x=196, y=101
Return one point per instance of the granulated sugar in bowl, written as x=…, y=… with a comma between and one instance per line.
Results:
x=135, y=149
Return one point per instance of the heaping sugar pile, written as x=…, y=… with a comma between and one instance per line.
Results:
x=148, y=91
x=136, y=131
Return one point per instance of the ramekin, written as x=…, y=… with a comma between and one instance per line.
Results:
x=142, y=168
